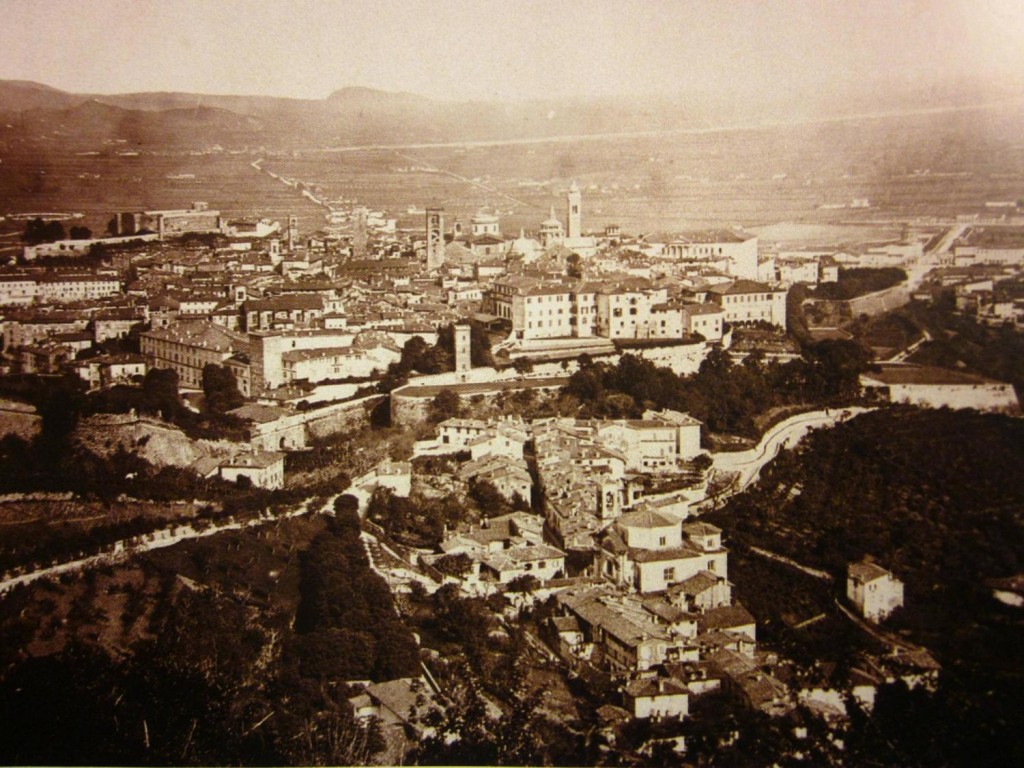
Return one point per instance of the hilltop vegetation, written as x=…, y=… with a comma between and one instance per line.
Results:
x=727, y=397
x=938, y=497
x=860, y=281
x=211, y=653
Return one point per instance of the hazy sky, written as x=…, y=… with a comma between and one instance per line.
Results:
x=501, y=48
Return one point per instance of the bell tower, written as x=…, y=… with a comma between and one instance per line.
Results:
x=463, y=350
x=574, y=202
x=293, y=232
x=435, y=238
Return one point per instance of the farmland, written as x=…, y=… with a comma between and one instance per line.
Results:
x=918, y=166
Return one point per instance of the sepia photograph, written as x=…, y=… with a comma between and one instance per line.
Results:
x=535, y=383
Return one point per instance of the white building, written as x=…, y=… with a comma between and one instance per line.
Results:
x=645, y=550
x=653, y=442
x=59, y=288
x=657, y=697
x=264, y=470
x=705, y=319
x=931, y=387
x=17, y=290
x=747, y=301
x=731, y=252
x=873, y=590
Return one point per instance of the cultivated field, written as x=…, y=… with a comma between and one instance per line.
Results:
x=916, y=166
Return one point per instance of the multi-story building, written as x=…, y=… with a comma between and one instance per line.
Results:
x=705, y=319
x=170, y=223
x=731, y=252
x=263, y=470
x=747, y=302
x=874, y=590
x=541, y=308
x=633, y=312
x=59, y=288
x=17, y=290
x=187, y=347
x=652, y=442
x=286, y=311
x=23, y=327
x=645, y=551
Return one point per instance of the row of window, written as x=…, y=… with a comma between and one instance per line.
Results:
x=748, y=297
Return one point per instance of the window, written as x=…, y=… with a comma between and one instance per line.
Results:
x=669, y=574
x=662, y=541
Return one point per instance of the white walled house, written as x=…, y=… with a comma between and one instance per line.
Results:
x=539, y=560
x=731, y=252
x=264, y=470
x=873, y=590
x=746, y=301
x=659, y=697
x=645, y=551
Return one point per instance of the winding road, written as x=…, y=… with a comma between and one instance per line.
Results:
x=158, y=539
x=748, y=464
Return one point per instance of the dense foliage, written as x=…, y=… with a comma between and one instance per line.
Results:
x=937, y=496
x=347, y=625
x=725, y=396
x=420, y=357
x=207, y=671
x=415, y=521
x=859, y=281
x=220, y=389
x=38, y=231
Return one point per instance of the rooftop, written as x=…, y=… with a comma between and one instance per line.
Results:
x=903, y=373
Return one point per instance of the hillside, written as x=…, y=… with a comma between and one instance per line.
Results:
x=192, y=655
x=358, y=114
x=938, y=497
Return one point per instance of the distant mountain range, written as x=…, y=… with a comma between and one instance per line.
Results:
x=356, y=115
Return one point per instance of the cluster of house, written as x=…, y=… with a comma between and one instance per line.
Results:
x=1002, y=245
x=979, y=295
x=278, y=312
x=591, y=471
x=643, y=601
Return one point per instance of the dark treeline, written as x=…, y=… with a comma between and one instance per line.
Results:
x=725, y=396
x=211, y=680
x=346, y=621
x=860, y=281
x=936, y=496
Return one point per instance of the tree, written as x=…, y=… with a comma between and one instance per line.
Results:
x=455, y=565
x=220, y=388
x=81, y=233
x=525, y=583
x=160, y=392
x=522, y=365
x=446, y=405
x=37, y=231
x=490, y=500
x=574, y=265
x=345, y=505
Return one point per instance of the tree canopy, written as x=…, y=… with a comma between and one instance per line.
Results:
x=38, y=231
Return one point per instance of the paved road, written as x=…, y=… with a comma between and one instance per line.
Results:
x=164, y=537
x=785, y=434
